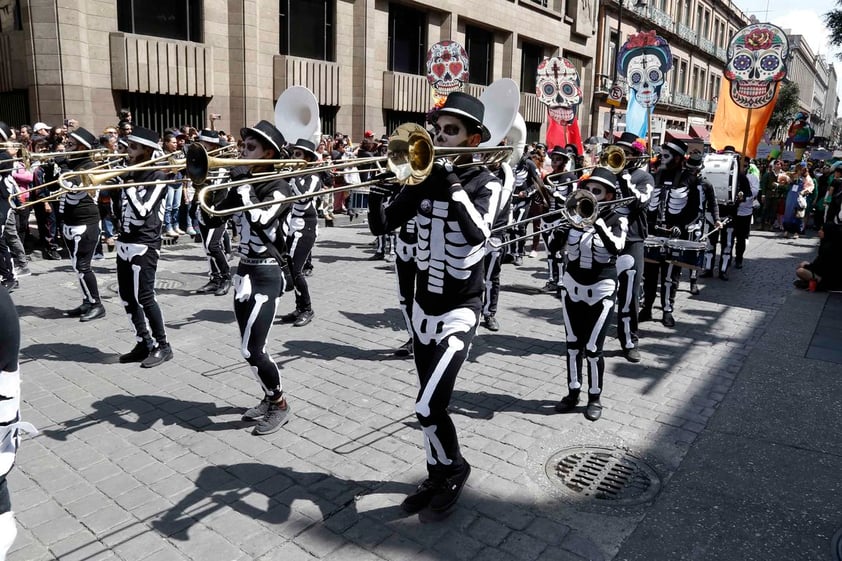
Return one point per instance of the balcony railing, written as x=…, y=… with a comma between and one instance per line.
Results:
x=701, y=105
x=683, y=100
x=721, y=54
x=406, y=92
x=531, y=108
x=662, y=19
x=686, y=33
x=603, y=84
x=707, y=45
x=145, y=64
x=319, y=76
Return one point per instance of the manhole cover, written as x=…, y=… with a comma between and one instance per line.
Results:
x=160, y=284
x=836, y=546
x=603, y=474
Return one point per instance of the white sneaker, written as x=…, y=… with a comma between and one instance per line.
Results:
x=191, y=231
x=171, y=233
x=532, y=253
x=179, y=231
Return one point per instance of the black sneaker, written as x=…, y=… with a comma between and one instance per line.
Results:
x=376, y=257
x=11, y=285
x=137, y=354
x=159, y=355
x=79, y=311
x=737, y=263
x=706, y=274
x=632, y=354
x=694, y=289
x=723, y=276
x=450, y=489
x=96, y=311
x=405, y=350
x=304, y=318
x=23, y=271
x=568, y=403
x=51, y=255
x=275, y=417
x=550, y=286
x=518, y=261
x=291, y=317
x=802, y=284
x=307, y=271
x=422, y=496
x=645, y=314
x=594, y=410
x=210, y=287
x=223, y=287
x=491, y=323
x=668, y=320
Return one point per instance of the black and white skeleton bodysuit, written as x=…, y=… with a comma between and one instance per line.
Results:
x=79, y=216
x=710, y=211
x=213, y=230
x=452, y=225
x=7, y=264
x=639, y=184
x=724, y=237
x=563, y=187
x=672, y=209
x=10, y=421
x=589, y=291
x=525, y=174
x=301, y=230
x=138, y=250
x=501, y=200
x=258, y=283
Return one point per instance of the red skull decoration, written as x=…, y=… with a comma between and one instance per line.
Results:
x=557, y=87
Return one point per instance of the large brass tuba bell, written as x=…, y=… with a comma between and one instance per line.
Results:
x=614, y=158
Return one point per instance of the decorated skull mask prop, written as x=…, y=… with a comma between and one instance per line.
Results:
x=644, y=60
x=757, y=57
x=558, y=87
x=447, y=67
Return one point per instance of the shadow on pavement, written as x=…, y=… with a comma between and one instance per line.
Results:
x=62, y=352
x=483, y=405
x=233, y=486
x=212, y=316
x=139, y=412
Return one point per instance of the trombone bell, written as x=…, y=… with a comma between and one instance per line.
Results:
x=614, y=158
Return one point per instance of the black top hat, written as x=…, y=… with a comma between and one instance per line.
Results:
x=6, y=164
x=207, y=135
x=603, y=176
x=679, y=147
x=627, y=140
x=306, y=146
x=695, y=160
x=466, y=107
x=266, y=132
x=84, y=136
x=5, y=131
x=572, y=148
x=559, y=151
x=144, y=136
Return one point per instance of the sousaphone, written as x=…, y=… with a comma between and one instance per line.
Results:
x=501, y=100
x=297, y=114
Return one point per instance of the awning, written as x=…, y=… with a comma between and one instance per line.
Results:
x=678, y=135
x=699, y=131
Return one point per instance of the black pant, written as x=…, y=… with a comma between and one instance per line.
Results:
x=300, y=246
x=492, y=282
x=520, y=210
x=136, y=268
x=585, y=338
x=81, y=242
x=724, y=237
x=742, y=230
x=47, y=226
x=628, y=293
x=668, y=275
x=256, y=292
x=213, y=242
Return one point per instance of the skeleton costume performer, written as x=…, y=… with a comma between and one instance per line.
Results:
x=589, y=291
x=526, y=178
x=260, y=280
x=562, y=186
x=213, y=230
x=141, y=214
x=673, y=207
x=708, y=207
x=724, y=237
x=7, y=184
x=453, y=210
x=79, y=215
x=638, y=183
x=301, y=228
x=10, y=421
x=494, y=250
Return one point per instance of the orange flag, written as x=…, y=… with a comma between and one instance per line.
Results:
x=739, y=127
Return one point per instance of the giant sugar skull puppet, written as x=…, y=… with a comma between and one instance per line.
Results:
x=644, y=60
x=800, y=133
x=757, y=56
x=447, y=70
x=558, y=87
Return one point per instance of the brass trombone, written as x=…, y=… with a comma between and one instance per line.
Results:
x=410, y=159
x=199, y=162
x=54, y=195
x=91, y=178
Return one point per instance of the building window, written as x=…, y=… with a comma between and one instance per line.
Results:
x=160, y=112
x=10, y=19
x=531, y=56
x=394, y=119
x=306, y=28
x=480, y=46
x=407, y=40
x=172, y=19
x=682, y=77
x=14, y=107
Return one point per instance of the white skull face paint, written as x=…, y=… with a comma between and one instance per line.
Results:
x=756, y=63
x=666, y=158
x=646, y=78
x=448, y=131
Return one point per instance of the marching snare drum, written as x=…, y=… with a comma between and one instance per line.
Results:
x=655, y=250
x=686, y=253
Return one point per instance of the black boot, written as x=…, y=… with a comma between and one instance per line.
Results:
x=80, y=311
x=137, y=354
x=222, y=287
x=291, y=317
x=210, y=287
x=96, y=311
x=568, y=403
x=594, y=409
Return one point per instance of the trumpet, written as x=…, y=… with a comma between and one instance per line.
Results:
x=410, y=159
x=198, y=162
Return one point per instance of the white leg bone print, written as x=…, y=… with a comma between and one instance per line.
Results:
x=242, y=288
x=573, y=369
x=259, y=300
x=432, y=441
x=607, y=304
x=423, y=406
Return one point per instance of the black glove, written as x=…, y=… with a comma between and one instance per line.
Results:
x=444, y=172
x=675, y=232
x=239, y=172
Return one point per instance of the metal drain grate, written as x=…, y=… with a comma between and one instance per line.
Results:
x=836, y=546
x=603, y=474
x=160, y=284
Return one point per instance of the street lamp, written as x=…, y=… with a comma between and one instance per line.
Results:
x=637, y=4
